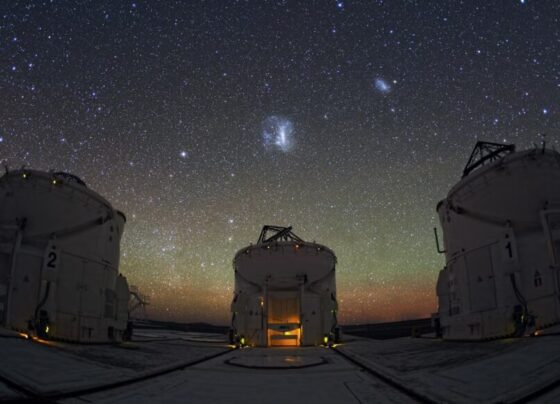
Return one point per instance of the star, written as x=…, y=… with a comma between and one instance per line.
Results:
x=277, y=113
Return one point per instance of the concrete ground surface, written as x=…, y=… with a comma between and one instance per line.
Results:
x=437, y=371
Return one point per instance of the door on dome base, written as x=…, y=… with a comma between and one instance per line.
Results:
x=284, y=326
x=551, y=224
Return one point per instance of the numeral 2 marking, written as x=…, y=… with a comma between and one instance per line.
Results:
x=51, y=263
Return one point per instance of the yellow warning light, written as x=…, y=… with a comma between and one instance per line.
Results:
x=47, y=329
x=326, y=339
x=242, y=341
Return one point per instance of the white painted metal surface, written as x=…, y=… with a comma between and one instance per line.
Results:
x=501, y=226
x=59, y=258
x=285, y=294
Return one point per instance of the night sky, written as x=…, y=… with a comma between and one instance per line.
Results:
x=203, y=121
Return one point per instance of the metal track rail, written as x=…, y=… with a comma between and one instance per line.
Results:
x=537, y=393
x=401, y=388
x=32, y=396
x=28, y=395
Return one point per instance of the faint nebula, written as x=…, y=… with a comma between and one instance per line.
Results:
x=278, y=133
x=382, y=86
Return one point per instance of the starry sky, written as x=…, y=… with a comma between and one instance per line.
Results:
x=204, y=120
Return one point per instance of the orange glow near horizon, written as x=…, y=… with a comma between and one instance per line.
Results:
x=371, y=304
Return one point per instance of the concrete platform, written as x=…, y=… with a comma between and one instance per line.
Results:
x=447, y=372
x=278, y=358
x=464, y=372
x=215, y=381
